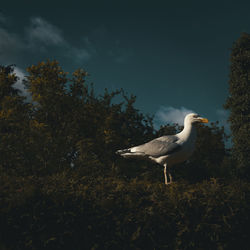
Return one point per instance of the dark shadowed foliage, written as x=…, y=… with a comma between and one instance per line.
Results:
x=64, y=211
x=63, y=186
x=238, y=103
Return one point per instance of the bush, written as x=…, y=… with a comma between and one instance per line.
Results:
x=67, y=212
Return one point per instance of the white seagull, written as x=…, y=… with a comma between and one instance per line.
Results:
x=168, y=150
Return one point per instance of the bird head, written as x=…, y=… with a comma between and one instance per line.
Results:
x=194, y=118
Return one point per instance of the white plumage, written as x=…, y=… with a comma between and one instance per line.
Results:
x=170, y=149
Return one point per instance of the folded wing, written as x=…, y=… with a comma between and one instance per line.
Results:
x=158, y=147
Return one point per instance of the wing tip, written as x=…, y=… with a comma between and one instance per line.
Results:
x=122, y=151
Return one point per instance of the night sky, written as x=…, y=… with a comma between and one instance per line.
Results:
x=173, y=55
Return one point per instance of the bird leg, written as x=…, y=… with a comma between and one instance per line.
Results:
x=170, y=178
x=165, y=174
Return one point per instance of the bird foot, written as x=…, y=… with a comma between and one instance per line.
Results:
x=168, y=183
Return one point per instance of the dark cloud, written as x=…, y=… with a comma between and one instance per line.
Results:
x=36, y=41
x=41, y=31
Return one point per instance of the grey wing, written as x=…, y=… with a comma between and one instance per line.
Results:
x=161, y=146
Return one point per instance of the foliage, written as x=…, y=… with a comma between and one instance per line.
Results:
x=210, y=159
x=65, y=125
x=14, y=123
x=64, y=211
x=238, y=103
x=63, y=187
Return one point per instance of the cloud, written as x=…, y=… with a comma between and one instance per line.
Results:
x=43, y=32
x=79, y=55
x=19, y=84
x=171, y=115
x=39, y=39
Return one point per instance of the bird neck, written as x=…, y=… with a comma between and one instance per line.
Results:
x=189, y=131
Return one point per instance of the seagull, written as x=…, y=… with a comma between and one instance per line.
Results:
x=168, y=150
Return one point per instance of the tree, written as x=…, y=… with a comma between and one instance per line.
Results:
x=14, y=124
x=70, y=126
x=238, y=103
x=47, y=84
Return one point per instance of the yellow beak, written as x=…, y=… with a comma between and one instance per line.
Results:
x=204, y=120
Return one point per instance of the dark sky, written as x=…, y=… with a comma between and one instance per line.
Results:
x=173, y=55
